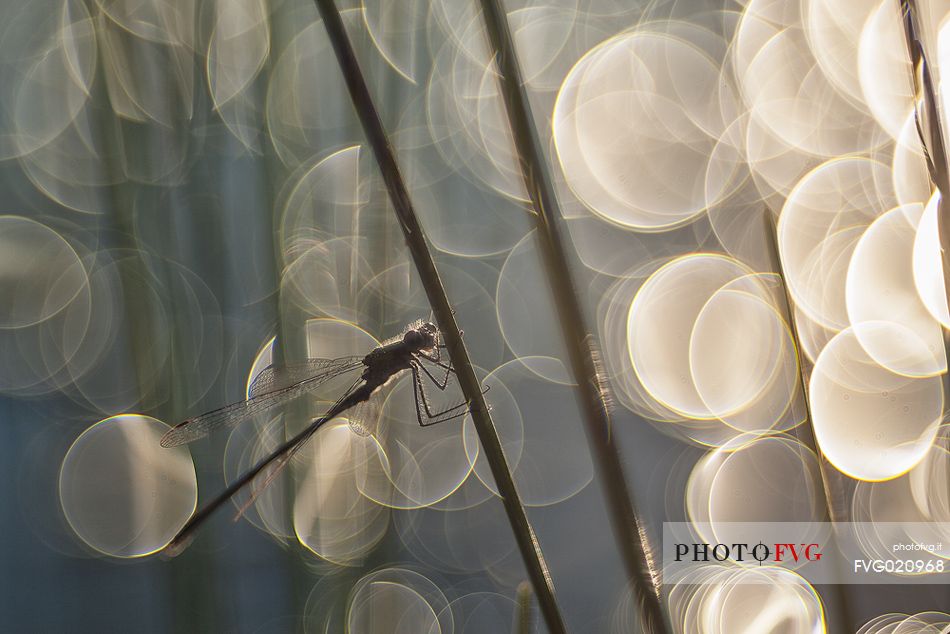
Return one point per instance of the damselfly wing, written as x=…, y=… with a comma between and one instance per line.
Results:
x=273, y=386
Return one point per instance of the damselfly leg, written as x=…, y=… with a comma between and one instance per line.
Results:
x=444, y=382
x=424, y=409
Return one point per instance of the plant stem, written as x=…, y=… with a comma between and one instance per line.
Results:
x=628, y=528
x=836, y=502
x=524, y=608
x=422, y=258
x=930, y=130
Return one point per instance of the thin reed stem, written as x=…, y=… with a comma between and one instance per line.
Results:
x=930, y=130
x=836, y=504
x=627, y=526
x=524, y=609
x=832, y=482
x=444, y=316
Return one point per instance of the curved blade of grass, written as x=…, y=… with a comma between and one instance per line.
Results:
x=422, y=258
x=926, y=106
x=930, y=131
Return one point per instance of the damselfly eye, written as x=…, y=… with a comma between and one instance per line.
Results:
x=430, y=331
x=413, y=338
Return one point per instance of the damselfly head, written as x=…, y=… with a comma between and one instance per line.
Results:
x=422, y=337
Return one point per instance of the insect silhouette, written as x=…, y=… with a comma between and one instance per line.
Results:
x=418, y=346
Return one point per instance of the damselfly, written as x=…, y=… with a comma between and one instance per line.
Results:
x=418, y=347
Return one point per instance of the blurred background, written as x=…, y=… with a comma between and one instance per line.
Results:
x=187, y=198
